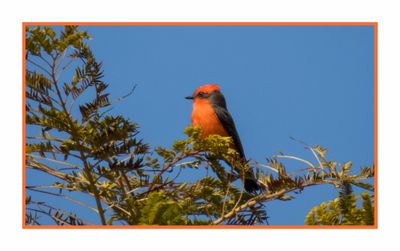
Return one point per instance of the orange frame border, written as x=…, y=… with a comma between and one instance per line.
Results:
x=374, y=24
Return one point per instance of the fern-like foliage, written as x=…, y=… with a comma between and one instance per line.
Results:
x=102, y=147
x=343, y=210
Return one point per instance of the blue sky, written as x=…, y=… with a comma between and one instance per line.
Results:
x=313, y=83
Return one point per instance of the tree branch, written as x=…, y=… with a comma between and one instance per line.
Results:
x=167, y=167
x=266, y=197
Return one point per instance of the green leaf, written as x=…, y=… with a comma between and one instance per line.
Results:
x=160, y=210
x=343, y=210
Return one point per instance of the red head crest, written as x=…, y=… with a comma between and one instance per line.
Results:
x=204, y=92
x=208, y=88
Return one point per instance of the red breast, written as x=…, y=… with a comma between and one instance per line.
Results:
x=204, y=116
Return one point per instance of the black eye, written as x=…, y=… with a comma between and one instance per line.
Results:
x=201, y=94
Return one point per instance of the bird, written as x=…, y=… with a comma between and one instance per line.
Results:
x=211, y=114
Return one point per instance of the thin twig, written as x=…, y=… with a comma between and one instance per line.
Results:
x=167, y=167
x=307, y=146
x=266, y=166
x=113, y=205
x=38, y=66
x=301, y=170
x=41, y=204
x=316, y=157
x=62, y=59
x=225, y=198
x=57, y=220
x=44, y=168
x=54, y=160
x=123, y=97
x=44, y=60
x=241, y=192
x=51, y=187
x=64, y=197
x=295, y=158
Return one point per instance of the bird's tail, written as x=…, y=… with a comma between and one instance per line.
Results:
x=250, y=184
x=250, y=181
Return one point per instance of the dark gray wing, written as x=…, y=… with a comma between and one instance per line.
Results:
x=218, y=103
x=227, y=122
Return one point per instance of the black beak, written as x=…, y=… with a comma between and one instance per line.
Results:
x=189, y=97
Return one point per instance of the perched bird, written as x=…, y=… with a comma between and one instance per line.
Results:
x=211, y=114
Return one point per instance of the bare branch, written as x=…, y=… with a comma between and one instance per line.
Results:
x=62, y=196
x=265, y=198
x=54, y=160
x=38, y=66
